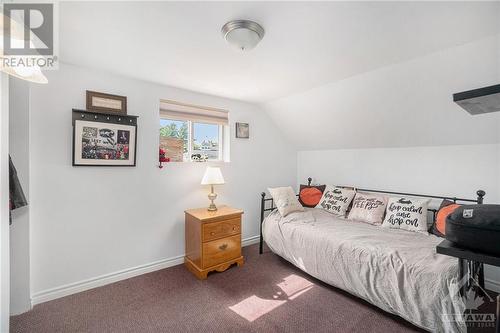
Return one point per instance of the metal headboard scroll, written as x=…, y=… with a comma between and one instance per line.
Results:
x=264, y=200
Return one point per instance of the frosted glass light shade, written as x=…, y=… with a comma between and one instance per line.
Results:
x=243, y=34
x=212, y=176
x=243, y=39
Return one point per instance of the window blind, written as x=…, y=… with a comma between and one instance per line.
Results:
x=180, y=111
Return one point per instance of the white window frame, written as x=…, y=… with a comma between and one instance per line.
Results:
x=190, y=141
x=221, y=129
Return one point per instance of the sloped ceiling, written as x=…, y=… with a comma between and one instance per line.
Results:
x=307, y=44
x=330, y=74
x=402, y=105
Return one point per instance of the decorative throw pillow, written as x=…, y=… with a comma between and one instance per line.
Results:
x=285, y=200
x=439, y=226
x=309, y=196
x=407, y=214
x=368, y=208
x=336, y=200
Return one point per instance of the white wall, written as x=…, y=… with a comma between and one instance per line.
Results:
x=403, y=105
x=443, y=170
x=20, y=300
x=4, y=204
x=87, y=222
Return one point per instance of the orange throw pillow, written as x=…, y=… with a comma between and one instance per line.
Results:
x=442, y=215
x=310, y=196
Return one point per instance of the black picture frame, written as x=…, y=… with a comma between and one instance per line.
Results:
x=119, y=122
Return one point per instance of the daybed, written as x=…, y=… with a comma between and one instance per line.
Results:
x=396, y=270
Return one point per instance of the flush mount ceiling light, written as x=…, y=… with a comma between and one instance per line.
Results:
x=242, y=34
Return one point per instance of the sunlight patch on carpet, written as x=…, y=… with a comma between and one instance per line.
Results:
x=254, y=307
x=295, y=285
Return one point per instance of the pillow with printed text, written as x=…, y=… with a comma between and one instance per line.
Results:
x=336, y=200
x=368, y=208
x=406, y=213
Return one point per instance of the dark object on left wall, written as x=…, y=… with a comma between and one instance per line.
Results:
x=17, y=198
x=104, y=139
x=106, y=103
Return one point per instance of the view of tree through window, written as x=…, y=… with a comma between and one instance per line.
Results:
x=177, y=130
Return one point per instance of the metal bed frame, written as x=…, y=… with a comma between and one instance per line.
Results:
x=474, y=268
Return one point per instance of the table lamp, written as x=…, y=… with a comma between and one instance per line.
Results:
x=212, y=177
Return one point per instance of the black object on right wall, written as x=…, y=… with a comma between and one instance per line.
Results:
x=479, y=101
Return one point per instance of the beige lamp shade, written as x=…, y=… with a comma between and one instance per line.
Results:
x=212, y=176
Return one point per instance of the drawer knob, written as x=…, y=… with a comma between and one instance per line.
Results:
x=234, y=228
x=212, y=233
x=223, y=247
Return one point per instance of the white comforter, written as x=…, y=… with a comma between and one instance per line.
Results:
x=396, y=270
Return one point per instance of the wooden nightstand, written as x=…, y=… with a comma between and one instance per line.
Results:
x=213, y=240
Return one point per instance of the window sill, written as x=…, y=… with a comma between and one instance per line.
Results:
x=207, y=162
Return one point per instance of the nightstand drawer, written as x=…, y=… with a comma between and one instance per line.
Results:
x=221, y=229
x=221, y=250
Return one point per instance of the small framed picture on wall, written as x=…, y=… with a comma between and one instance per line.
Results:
x=242, y=130
x=106, y=103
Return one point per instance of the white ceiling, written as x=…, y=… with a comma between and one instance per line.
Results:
x=306, y=44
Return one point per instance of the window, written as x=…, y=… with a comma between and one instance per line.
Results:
x=191, y=133
x=206, y=140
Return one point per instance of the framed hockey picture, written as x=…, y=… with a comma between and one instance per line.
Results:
x=104, y=140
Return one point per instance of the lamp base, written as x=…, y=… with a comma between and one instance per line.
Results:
x=212, y=196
